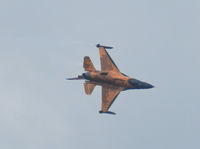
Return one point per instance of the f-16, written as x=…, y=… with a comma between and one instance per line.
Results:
x=110, y=78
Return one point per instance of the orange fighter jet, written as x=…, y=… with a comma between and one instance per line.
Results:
x=110, y=78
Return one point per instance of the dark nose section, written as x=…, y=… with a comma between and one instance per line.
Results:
x=147, y=85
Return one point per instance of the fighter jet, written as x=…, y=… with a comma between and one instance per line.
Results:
x=110, y=78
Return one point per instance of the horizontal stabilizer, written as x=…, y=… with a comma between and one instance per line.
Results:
x=106, y=47
x=89, y=87
x=87, y=64
x=108, y=112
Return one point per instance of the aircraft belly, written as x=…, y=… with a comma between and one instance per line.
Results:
x=102, y=79
x=112, y=78
x=113, y=81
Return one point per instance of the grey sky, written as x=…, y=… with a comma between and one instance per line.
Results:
x=44, y=41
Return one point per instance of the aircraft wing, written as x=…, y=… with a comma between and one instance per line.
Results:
x=107, y=64
x=109, y=94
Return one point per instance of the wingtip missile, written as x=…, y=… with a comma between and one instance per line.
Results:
x=106, y=47
x=108, y=112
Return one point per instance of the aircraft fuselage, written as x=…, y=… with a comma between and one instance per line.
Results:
x=115, y=79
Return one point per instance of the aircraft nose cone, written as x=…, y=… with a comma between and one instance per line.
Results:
x=147, y=85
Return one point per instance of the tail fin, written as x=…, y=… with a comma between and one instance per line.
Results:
x=87, y=64
x=89, y=87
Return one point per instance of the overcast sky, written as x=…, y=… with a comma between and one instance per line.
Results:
x=44, y=41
